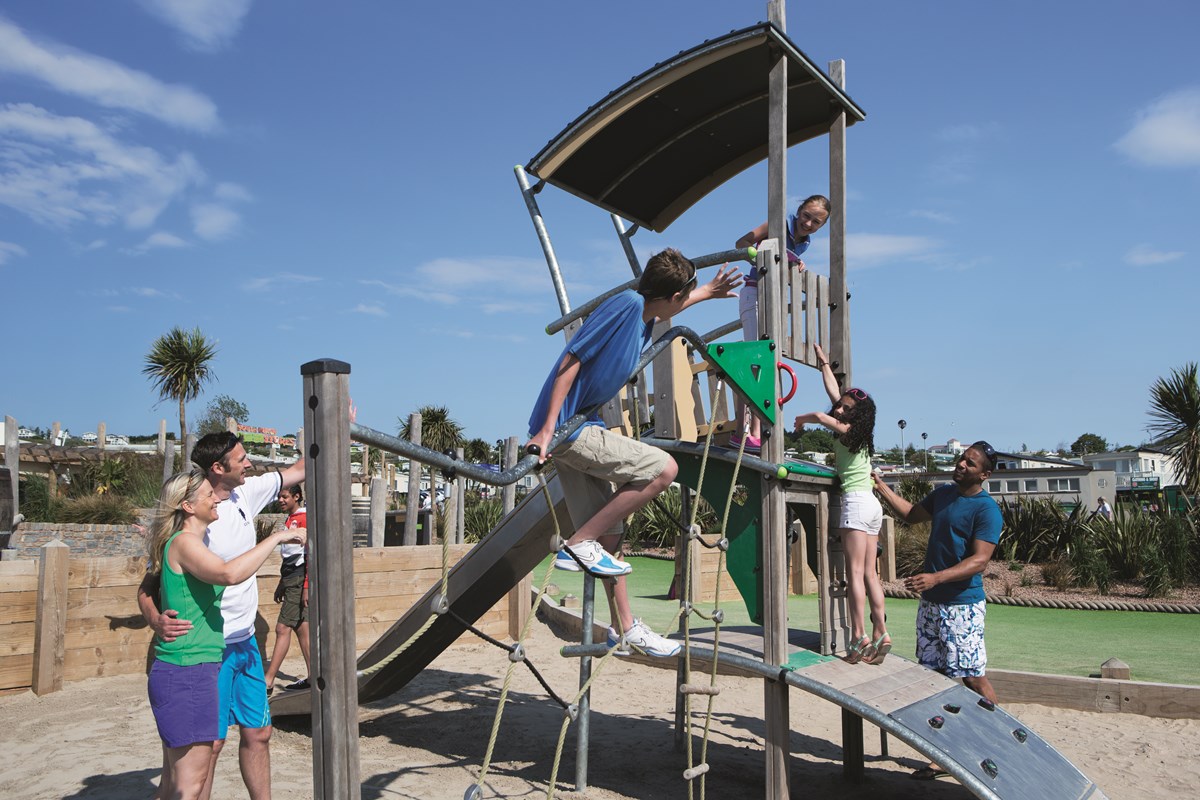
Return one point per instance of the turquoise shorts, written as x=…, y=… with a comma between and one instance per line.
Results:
x=241, y=688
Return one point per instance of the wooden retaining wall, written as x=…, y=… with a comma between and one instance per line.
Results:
x=92, y=627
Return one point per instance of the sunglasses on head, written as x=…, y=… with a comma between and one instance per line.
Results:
x=987, y=450
x=858, y=394
x=691, y=282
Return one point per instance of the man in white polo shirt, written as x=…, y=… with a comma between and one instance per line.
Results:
x=243, y=688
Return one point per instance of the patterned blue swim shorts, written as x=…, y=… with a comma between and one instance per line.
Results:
x=950, y=638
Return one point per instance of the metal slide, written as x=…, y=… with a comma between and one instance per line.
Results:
x=476, y=583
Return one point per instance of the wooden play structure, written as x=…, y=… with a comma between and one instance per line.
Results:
x=646, y=153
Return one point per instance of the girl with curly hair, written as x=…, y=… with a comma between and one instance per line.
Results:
x=852, y=420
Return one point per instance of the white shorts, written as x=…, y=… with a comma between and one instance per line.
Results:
x=860, y=511
x=748, y=312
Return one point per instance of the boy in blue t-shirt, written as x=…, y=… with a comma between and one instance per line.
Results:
x=965, y=527
x=592, y=369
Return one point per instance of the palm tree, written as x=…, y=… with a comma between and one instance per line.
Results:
x=1175, y=426
x=178, y=366
x=438, y=432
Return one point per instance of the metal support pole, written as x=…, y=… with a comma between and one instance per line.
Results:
x=539, y=225
x=583, y=722
x=334, y=677
x=626, y=238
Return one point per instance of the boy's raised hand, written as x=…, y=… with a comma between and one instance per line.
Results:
x=723, y=283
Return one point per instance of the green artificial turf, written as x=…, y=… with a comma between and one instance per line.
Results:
x=1158, y=647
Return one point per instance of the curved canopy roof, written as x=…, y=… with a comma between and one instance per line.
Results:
x=651, y=149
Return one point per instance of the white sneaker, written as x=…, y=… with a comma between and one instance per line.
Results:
x=597, y=560
x=640, y=637
x=614, y=642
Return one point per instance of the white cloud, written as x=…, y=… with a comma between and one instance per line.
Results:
x=213, y=222
x=64, y=170
x=486, y=274
x=96, y=244
x=865, y=250
x=370, y=309
x=273, y=281
x=8, y=250
x=933, y=216
x=232, y=192
x=158, y=241
x=207, y=25
x=1143, y=255
x=1167, y=132
x=102, y=81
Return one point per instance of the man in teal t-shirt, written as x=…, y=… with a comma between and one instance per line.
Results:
x=966, y=525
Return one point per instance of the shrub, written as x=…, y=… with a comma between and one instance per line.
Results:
x=96, y=509
x=480, y=517
x=36, y=503
x=659, y=522
x=911, y=543
x=1036, y=530
x=914, y=490
x=1058, y=573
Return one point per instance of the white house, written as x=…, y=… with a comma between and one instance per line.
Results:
x=89, y=437
x=1144, y=468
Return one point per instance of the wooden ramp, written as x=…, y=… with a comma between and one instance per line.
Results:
x=986, y=749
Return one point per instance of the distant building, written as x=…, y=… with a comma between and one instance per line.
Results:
x=89, y=437
x=1144, y=468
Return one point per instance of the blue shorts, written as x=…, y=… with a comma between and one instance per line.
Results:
x=950, y=638
x=243, y=689
x=184, y=701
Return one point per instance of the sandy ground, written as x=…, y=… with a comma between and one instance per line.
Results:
x=96, y=739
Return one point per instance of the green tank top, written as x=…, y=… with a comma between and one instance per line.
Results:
x=854, y=469
x=198, y=602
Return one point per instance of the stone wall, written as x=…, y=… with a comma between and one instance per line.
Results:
x=85, y=541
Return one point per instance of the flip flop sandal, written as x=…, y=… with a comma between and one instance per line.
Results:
x=858, y=651
x=879, y=650
x=928, y=774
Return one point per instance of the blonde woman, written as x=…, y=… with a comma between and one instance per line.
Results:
x=183, y=677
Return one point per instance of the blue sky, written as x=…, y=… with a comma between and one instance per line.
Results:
x=304, y=180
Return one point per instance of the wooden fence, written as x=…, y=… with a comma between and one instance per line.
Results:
x=69, y=619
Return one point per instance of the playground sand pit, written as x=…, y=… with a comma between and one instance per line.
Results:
x=96, y=739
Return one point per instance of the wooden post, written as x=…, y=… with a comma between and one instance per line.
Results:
x=839, y=313
x=887, y=559
x=334, y=681
x=189, y=445
x=231, y=425
x=803, y=580
x=102, y=435
x=378, y=511
x=49, y=637
x=460, y=496
x=414, y=486
x=12, y=460
x=162, y=436
x=55, y=432
x=1115, y=668
x=519, y=596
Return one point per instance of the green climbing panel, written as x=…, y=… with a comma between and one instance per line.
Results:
x=744, y=558
x=750, y=370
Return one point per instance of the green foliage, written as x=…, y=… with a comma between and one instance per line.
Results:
x=1089, y=443
x=36, y=503
x=480, y=517
x=817, y=440
x=96, y=509
x=1058, y=573
x=658, y=523
x=914, y=490
x=221, y=408
x=1175, y=421
x=911, y=544
x=1037, y=530
x=178, y=367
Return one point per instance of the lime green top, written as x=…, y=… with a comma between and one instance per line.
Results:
x=854, y=469
x=198, y=602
